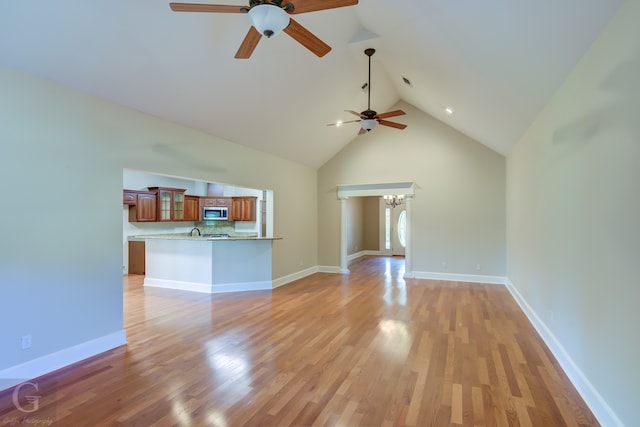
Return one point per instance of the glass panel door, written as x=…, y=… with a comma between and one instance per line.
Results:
x=399, y=227
x=165, y=205
x=178, y=206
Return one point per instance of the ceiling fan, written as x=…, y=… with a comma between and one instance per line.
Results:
x=269, y=18
x=369, y=118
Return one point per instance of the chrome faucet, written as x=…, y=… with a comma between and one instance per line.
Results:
x=196, y=229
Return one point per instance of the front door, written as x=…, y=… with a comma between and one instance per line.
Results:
x=394, y=230
x=398, y=230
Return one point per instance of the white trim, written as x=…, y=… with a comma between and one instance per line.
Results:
x=594, y=400
x=331, y=269
x=373, y=253
x=51, y=362
x=178, y=284
x=344, y=263
x=262, y=285
x=382, y=189
x=360, y=254
x=208, y=288
x=473, y=278
x=294, y=276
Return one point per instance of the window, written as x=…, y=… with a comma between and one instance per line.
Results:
x=387, y=228
x=402, y=228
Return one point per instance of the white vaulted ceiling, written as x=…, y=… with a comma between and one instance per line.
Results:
x=496, y=63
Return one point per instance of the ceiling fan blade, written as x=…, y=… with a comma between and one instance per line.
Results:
x=354, y=113
x=306, y=38
x=248, y=44
x=304, y=6
x=391, y=114
x=218, y=8
x=342, y=123
x=392, y=124
x=362, y=131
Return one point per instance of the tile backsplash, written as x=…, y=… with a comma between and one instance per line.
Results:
x=221, y=227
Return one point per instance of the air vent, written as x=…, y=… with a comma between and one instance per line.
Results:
x=406, y=81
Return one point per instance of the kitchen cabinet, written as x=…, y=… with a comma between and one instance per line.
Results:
x=136, y=257
x=170, y=203
x=129, y=197
x=161, y=204
x=216, y=202
x=243, y=208
x=191, y=208
x=145, y=207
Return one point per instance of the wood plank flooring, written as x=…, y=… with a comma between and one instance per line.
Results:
x=365, y=349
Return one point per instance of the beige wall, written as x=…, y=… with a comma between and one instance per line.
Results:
x=62, y=156
x=363, y=229
x=458, y=217
x=371, y=224
x=573, y=201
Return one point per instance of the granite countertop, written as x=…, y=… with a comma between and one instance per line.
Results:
x=187, y=236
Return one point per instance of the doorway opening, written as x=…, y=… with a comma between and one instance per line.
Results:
x=395, y=220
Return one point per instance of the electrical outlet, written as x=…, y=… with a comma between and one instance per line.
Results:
x=26, y=341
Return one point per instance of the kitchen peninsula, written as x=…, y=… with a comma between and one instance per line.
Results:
x=208, y=264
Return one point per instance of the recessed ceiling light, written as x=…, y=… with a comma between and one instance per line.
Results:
x=406, y=81
x=448, y=110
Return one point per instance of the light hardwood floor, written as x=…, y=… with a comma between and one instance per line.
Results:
x=365, y=349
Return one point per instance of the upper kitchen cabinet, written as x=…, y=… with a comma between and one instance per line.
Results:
x=143, y=205
x=216, y=202
x=161, y=204
x=129, y=197
x=191, y=208
x=243, y=208
x=170, y=203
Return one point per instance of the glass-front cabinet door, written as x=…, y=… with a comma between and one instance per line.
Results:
x=170, y=203
x=164, y=213
x=178, y=206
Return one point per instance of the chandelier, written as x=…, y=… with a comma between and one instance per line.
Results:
x=393, y=201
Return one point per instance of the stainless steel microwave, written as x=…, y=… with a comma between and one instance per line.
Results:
x=215, y=213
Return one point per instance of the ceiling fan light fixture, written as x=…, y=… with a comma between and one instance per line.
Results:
x=268, y=19
x=368, y=124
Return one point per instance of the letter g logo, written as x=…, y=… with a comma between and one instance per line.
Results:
x=34, y=400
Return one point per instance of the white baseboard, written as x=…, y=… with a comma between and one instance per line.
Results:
x=473, y=278
x=294, y=276
x=281, y=281
x=208, y=288
x=601, y=410
x=329, y=269
x=178, y=284
x=43, y=365
x=365, y=253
